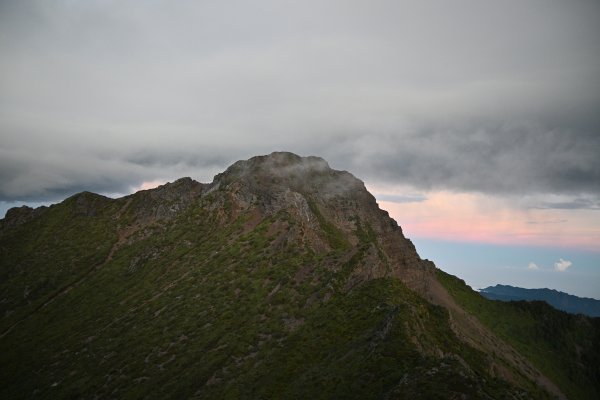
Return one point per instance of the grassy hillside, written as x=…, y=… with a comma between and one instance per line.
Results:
x=565, y=347
x=46, y=255
x=194, y=307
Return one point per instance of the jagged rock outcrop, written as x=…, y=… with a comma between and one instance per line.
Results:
x=319, y=196
x=19, y=215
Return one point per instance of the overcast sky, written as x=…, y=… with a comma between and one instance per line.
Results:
x=471, y=120
x=488, y=96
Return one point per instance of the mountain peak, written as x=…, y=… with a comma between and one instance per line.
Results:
x=281, y=160
x=276, y=164
x=237, y=289
x=284, y=171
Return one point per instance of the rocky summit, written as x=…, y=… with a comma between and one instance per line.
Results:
x=280, y=279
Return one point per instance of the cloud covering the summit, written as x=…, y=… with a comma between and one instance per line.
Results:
x=499, y=98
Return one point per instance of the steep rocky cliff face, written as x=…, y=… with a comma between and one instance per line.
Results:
x=280, y=279
x=333, y=210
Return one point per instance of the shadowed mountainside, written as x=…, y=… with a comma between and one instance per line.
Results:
x=280, y=279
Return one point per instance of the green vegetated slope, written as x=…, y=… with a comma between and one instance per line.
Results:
x=53, y=251
x=565, y=347
x=268, y=283
x=211, y=311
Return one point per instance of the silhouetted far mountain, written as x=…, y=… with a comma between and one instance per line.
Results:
x=559, y=300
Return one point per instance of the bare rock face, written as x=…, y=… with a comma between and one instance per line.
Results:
x=333, y=207
x=165, y=201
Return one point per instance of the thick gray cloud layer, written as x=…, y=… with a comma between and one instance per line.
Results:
x=487, y=96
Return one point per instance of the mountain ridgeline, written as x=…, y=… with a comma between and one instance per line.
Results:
x=280, y=279
x=559, y=300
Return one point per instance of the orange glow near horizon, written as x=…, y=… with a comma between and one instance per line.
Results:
x=486, y=219
x=149, y=185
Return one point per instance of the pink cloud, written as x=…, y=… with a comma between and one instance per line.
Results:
x=481, y=218
x=149, y=185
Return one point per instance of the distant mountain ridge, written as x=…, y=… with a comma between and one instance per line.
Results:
x=560, y=300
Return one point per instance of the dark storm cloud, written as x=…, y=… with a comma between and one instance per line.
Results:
x=42, y=175
x=494, y=97
x=505, y=159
